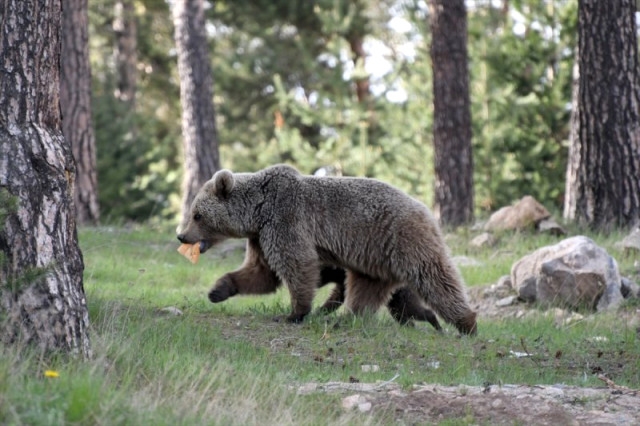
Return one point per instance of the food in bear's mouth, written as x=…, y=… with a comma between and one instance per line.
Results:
x=190, y=251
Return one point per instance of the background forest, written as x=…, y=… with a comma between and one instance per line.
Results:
x=287, y=76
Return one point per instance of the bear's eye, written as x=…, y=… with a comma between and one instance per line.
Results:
x=197, y=217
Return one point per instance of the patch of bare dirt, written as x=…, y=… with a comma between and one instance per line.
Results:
x=494, y=405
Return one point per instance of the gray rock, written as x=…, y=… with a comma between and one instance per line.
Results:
x=507, y=301
x=501, y=289
x=505, y=282
x=524, y=214
x=630, y=243
x=573, y=273
x=550, y=226
x=629, y=289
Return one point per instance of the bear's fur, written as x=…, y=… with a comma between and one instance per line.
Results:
x=296, y=224
x=404, y=305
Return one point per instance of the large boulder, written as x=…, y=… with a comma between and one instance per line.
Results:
x=574, y=273
x=526, y=213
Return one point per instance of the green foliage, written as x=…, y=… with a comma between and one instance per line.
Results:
x=322, y=122
x=285, y=77
x=138, y=151
x=138, y=165
x=521, y=79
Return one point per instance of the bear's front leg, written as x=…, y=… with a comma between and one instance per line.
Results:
x=223, y=289
x=296, y=264
x=254, y=277
x=301, y=301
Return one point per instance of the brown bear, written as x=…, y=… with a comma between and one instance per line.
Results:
x=297, y=224
x=404, y=305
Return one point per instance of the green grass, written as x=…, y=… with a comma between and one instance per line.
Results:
x=230, y=364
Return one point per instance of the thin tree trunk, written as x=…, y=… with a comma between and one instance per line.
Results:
x=603, y=174
x=356, y=42
x=452, y=113
x=573, y=164
x=41, y=292
x=199, y=134
x=124, y=27
x=75, y=100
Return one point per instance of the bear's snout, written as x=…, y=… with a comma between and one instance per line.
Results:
x=182, y=238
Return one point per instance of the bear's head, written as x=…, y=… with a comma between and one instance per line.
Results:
x=211, y=219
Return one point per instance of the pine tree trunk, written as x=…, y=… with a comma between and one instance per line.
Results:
x=199, y=134
x=75, y=100
x=452, y=113
x=42, y=296
x=573, y=163
x=126, y=58
x=356, y=42
x=603, y=174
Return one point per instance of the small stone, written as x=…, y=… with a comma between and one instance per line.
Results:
x=631, y=243
x=370, y=368
x=485, y=239
x=354, y=401
x=497, y=403
x=506, y=301
x=364, y=407
x=550, y=226
x=171, y=310
x=505, y=282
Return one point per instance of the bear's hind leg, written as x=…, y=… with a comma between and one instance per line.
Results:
x=333, y=274
x=366, y=294
x=405, y=306
x=253, y=277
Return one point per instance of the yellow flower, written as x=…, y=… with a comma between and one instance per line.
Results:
x=51, y=374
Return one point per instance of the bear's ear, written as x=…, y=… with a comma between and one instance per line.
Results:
x=223, y=182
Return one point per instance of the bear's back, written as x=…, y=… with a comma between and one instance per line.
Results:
x=364, y=222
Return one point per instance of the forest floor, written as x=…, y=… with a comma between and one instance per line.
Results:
x=497, y=404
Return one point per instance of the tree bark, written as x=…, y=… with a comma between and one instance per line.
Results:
x=603, y=174
x=75, y=101
x=453, y=203
x=41, y=293
x=199, y=133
